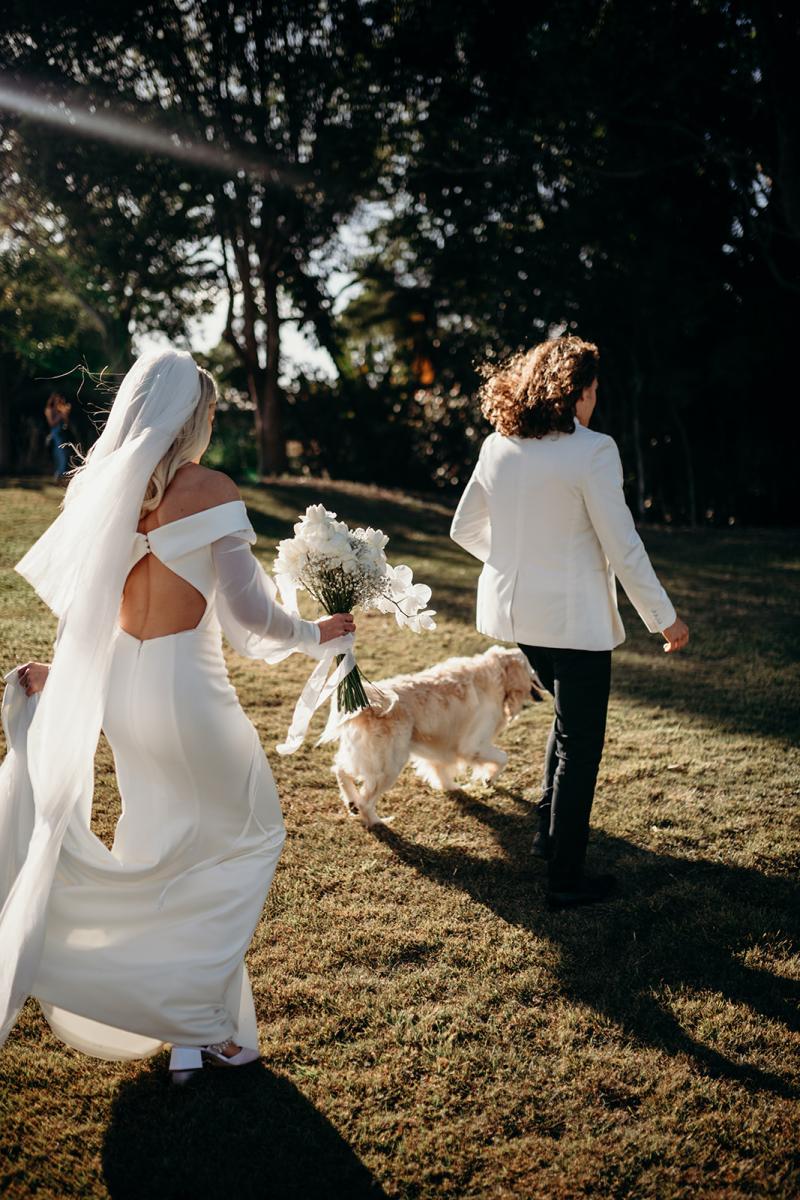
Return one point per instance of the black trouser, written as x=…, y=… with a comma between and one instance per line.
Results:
x=579, y=681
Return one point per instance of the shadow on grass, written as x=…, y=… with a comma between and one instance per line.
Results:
x=29, y=483
x=729, y=698
x=413, y=528
x=678, y=927
x=241, y=1134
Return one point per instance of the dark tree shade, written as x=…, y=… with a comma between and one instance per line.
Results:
x=624, y=171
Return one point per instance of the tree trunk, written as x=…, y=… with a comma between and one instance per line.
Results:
x=255, y=390
x=5, y=427
x=269, y=423
x=117, y=340
x=636, y=391
x=262, y=382
x=691, y=498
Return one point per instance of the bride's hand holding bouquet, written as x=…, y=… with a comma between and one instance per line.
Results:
x=339, y=625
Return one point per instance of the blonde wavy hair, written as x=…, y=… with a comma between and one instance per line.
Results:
x=190, y=443
x=535, y=392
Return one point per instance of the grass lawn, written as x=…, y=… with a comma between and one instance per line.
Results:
x=427, y=1027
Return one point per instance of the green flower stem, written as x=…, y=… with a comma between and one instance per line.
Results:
x=350, y=695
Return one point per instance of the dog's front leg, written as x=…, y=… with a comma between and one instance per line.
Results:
x=348, y=789
x=438, y=775
x=487, y=763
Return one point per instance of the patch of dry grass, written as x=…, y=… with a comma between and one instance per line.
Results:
x=428, y=1028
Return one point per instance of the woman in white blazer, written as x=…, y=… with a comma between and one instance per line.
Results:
x=545, y=512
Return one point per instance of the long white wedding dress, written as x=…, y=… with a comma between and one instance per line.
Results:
x=145, y=943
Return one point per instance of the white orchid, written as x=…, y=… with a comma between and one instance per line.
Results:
x=331, y=544
x=349, y=562
x=406, y=599
x=422, y=621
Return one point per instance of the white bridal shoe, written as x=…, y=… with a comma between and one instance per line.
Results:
x=214, y=1054
x=184, y=1061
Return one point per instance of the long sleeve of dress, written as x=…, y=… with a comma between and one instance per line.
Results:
x=248, y=610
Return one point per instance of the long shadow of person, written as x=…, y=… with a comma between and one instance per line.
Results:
x=245, y=1134
x=680, y=926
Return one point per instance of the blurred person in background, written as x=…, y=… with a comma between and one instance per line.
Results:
x=56, y=413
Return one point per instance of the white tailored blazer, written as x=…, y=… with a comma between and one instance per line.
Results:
x=547, y=517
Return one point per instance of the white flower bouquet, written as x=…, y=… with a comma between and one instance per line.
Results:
x=344, y=568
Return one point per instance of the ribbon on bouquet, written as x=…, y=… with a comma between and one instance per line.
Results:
x=318, y=689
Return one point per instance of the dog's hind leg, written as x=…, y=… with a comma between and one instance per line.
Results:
x=372, y=752
x=348, y=790
x=368, y=798
x=362, y=800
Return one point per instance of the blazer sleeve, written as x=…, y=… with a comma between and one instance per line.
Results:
x=624, y=549
x=471, y=527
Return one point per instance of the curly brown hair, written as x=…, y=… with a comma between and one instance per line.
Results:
x=535, y=392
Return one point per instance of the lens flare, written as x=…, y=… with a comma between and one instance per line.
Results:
x=141, y=133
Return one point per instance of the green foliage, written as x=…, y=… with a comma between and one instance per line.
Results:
x=628, y=172
x=233, y=448
x=262, y=126
x=46, y=330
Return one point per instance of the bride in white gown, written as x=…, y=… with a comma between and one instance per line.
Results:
x=143, y=945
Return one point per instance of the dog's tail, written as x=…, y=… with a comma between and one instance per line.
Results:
x=382, y=701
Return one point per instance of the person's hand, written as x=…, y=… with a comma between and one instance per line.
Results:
x=676, y=637
x=33, y=677
x=336, y=626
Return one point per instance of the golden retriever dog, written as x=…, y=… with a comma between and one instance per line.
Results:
x=443, y=719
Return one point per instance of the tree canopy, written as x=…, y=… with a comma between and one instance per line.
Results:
x=628, y=172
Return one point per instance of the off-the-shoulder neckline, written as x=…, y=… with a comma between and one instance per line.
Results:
x=201, y=512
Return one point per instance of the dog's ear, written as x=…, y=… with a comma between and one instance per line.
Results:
x=513, y=701
x=537, y=688
x=517, y=685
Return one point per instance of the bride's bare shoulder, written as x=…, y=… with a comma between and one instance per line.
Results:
x=195, y=488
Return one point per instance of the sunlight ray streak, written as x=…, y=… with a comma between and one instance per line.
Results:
x=67, y=113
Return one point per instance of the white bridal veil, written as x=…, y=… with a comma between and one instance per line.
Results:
x=78, y=566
